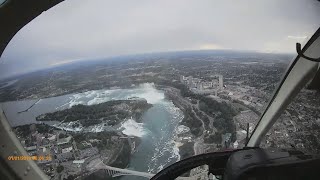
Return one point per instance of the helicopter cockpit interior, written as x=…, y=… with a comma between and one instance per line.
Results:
x=250, y=162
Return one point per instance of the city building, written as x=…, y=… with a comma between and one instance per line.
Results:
x=64, y=140
x=64, y=156
x=200, y=86
x=88, y=152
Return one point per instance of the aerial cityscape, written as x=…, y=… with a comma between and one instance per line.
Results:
x=129, y=117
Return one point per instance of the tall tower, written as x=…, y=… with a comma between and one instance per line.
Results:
x=200, y=86
x=190, y=79
x=220, y=81
x=181, y=78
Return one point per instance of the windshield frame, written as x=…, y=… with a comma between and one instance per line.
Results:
x=299, y=73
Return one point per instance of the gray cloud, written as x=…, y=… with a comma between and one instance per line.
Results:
x=89, y=29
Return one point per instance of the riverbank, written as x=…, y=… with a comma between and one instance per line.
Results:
x=186, y=140
x=120, y=160
x=210, y=121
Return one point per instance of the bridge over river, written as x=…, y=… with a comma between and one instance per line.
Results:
x=97, y=164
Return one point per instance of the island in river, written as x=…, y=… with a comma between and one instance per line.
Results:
x=110, y=113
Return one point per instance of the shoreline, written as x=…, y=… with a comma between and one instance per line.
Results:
x=186, y=148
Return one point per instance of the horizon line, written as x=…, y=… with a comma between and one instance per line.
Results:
x=75, y=61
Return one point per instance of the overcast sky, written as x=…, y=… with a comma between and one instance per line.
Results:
x=87, y=29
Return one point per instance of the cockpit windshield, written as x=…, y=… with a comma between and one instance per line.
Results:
x=114, y=89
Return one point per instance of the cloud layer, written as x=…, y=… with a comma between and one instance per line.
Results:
x=77, y=30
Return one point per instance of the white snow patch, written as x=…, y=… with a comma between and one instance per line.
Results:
x=182, y=129
x=175, y=149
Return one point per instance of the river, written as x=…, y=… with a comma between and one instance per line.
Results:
x=157, y=131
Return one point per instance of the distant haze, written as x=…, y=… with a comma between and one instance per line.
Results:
x=77, y=29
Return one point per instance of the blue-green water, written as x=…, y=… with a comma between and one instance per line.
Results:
x=157, y=129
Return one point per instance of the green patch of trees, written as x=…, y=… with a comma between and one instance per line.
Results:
x=106, y=141
x=25, y=130
x=115, y=111
x=222, y=112
x=216, y=138
x=60, y=168
x=247, y=106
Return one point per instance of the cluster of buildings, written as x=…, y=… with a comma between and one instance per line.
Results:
x=57, y=148
x=298, y=127
x=245, y=121
x=200, y=86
